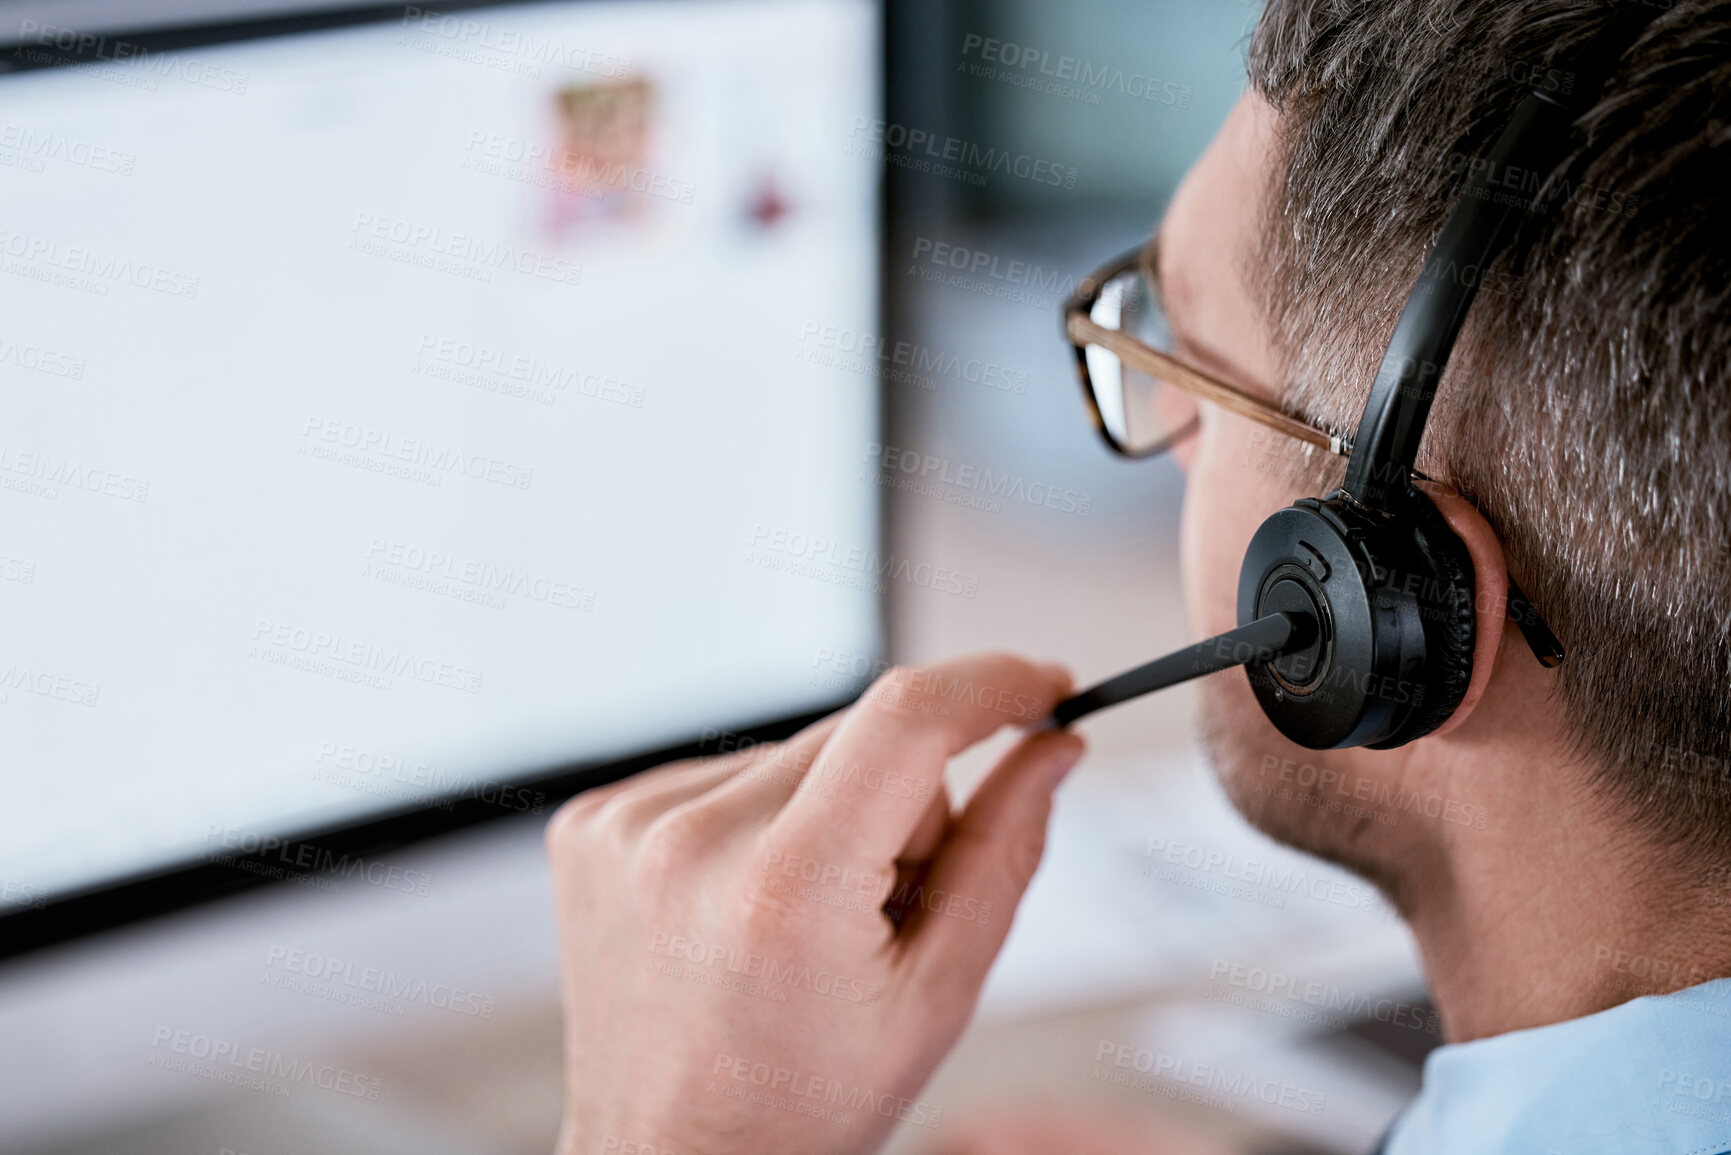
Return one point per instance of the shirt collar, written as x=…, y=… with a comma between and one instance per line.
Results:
x=1650, y=1075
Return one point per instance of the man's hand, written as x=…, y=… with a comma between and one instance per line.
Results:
x=768, y=953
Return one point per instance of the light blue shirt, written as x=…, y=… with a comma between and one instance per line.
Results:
x=1650, y=1076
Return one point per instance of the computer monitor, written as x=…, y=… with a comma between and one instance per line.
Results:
x=401, y=408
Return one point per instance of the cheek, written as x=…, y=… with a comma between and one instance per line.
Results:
x=1225, y=499
x=1209, y=565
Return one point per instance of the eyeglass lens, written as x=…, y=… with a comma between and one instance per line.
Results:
x=1141, y=413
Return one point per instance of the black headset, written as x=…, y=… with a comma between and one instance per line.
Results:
x=1355, y=610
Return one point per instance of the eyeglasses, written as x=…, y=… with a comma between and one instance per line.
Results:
x=1143, y=396
x=1140, y=393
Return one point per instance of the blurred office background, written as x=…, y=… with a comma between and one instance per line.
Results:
x=1134, y=938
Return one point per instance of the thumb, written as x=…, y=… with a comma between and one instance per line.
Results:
x=980, y=872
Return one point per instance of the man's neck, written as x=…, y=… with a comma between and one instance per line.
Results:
x=1556, y=910
x=1533, y=898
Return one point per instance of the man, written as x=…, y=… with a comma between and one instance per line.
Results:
x=770, y=952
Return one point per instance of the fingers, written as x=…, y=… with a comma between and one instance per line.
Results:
x=760, y=787
x=650, y=794
x=629, y=806
x=885, y=761
x=986, y=864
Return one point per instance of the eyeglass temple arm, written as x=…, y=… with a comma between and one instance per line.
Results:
x=1546, y=647
x=1084, y=330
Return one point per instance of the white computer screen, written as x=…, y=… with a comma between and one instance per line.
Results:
x=391, y=409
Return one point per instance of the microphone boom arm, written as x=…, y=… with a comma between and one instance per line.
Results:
x=1257, y=641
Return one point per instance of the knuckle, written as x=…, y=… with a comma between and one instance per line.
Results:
x=670, y=838
x=565, y=830
x=596, y=822
x=669, y=845
x=770, y=914
x=608, y=807
x=610, y=824
x=774, y=894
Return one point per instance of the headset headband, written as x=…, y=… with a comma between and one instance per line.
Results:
x=1480, y=227
x=1357, y=615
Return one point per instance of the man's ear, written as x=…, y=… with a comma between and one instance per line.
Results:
x=1490, y=590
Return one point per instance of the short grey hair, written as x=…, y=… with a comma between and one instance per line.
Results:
x=1587, y=410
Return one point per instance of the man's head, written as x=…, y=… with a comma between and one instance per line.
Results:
x=1585, y=415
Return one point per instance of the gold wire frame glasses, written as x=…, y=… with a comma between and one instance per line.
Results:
x=1142, y=397
x=1139, y=394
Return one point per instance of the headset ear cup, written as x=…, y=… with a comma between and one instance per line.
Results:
x=1450, y=623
